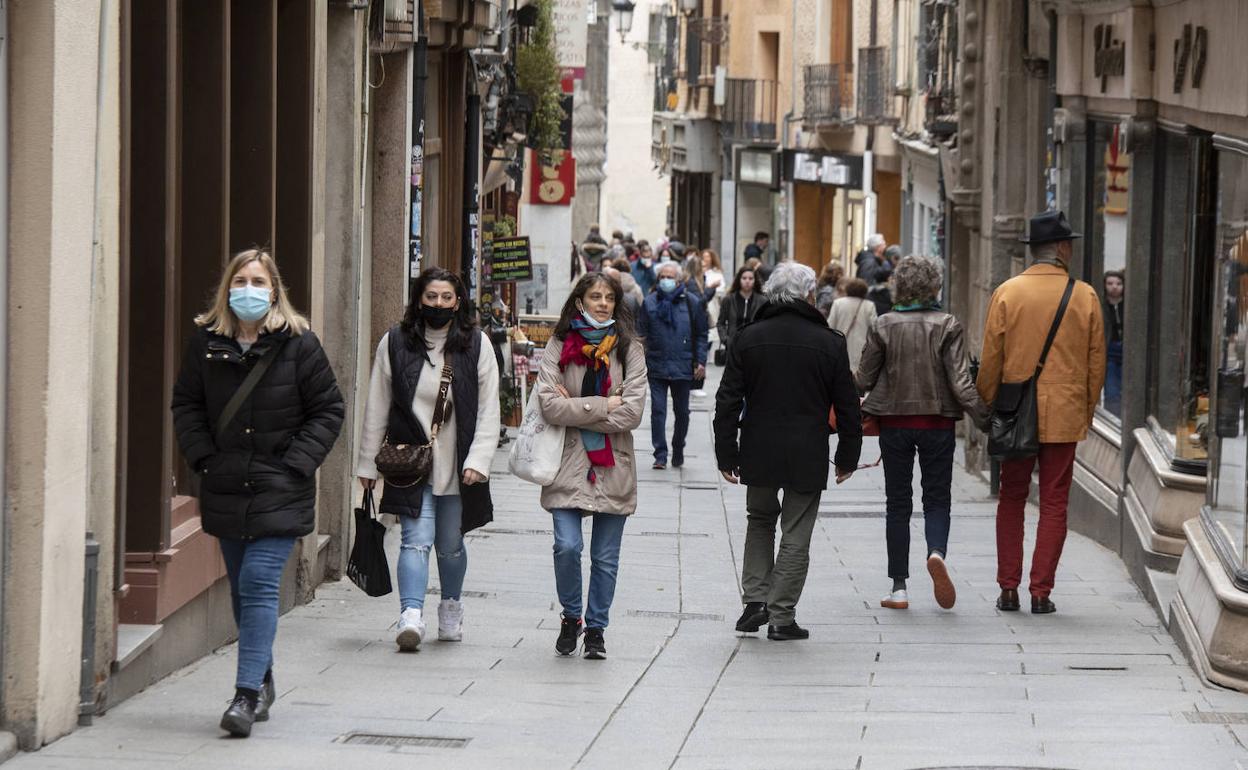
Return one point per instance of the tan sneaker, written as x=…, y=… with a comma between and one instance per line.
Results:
x=942, y=585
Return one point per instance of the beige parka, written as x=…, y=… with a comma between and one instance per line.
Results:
x=616, y=488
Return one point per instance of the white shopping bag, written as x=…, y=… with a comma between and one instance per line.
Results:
x=538, y=449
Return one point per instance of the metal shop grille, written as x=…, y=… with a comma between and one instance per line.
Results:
x=407, y=741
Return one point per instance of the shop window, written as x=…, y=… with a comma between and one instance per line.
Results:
x=1105, y=255
x=1228, y=480
x=1182, y=292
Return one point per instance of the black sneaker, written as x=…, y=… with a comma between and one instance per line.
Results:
x=569, y=632
x=678, y=458
x=268, y=694
x=753, y=617
x=595, y=647
x=238, y=718
x=787, y=633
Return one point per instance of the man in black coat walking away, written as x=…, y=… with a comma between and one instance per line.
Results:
x=785, y=373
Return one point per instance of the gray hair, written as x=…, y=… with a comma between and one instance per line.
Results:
x=673, y=265
x=917, y=279
x=790, y=282
x=874, y=241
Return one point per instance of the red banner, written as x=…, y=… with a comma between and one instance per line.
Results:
x=553, y=185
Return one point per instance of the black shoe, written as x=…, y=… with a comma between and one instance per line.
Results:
x=678, y=458
x=238, y=718
x=569, y=632
x=787, y=633
x=1008, y=600
x=268, y=694
x=595, y=647
x=1040, y=605
x=753, y=617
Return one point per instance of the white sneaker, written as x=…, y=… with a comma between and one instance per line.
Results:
x=897, y=600
x=411, y=630
x=451, y=620
x=698, y=393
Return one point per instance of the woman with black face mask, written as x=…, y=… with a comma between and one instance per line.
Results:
x=408, y=377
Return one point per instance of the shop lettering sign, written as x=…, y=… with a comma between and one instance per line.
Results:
x=1110, y=56
x=512, y=260
x=1190, y=48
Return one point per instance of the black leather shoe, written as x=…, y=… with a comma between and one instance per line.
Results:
x=1008, y=600
x=268, y=694
x=1040, y=605
x=238, y=718
x=787, y=633
x=678, y=458
x=753, y=617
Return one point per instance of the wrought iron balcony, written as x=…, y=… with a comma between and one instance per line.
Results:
x=749, y=111
x=828, y=95
x=941, y=113
x=875, y=87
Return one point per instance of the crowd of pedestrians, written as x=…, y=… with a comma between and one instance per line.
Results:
x=806, y=356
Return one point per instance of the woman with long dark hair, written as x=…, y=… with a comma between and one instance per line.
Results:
x=593, y=381
x=438, y=328
x=740, y=306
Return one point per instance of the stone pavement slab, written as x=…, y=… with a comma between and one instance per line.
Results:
x=1098, y=685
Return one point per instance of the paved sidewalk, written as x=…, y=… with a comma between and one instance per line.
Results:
x=1098, y=685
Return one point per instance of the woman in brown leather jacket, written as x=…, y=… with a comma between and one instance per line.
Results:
x=914, y=366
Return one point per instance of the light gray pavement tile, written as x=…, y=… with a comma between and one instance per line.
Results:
x=1098, y=685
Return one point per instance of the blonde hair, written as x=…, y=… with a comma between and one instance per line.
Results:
x=220, y=319
x=715, y=263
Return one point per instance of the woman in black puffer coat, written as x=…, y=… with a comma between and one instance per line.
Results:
x=258, y=468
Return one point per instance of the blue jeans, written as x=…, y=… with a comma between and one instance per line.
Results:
x=658, y=415
x=935, y=449
x=437, y=526
x=255, y=571
x=1113, y=378
x=604, y=554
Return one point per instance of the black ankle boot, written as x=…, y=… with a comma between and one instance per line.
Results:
x=268, y=694
x=241, y=714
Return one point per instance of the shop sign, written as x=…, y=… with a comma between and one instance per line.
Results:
x=571, y=35
x=1110, y=56
x=512, y=260
x=1190, y=49
x=538, y=328
x=553, y=184
x=830, y=169
x=761, y=167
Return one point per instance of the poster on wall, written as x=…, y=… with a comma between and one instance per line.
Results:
x=531, y=296
x=571, y=36
x=553, y=184
x=512, y=260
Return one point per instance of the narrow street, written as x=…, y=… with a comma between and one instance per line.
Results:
x=1099, y=685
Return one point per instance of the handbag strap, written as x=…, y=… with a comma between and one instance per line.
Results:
x=1057, y=321
x=439, y=408
x=244, y=390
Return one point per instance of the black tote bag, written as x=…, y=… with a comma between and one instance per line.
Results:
x=368, y=567
x=1014, y=431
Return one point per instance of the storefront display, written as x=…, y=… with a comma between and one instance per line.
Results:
x=1105, y=252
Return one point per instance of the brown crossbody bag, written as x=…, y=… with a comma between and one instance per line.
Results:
x=406, y=465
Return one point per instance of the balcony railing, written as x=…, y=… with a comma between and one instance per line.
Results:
x=828, y=94
x=875, y=86
x=941, y=118
x=749, y=113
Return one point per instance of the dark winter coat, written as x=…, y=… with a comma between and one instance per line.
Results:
x=644, y=276
x=733, y=314
x=785, y=373
x=674, y=350
x=260, y=480
x=406, y=368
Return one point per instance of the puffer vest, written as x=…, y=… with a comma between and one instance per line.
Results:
x=406, y=368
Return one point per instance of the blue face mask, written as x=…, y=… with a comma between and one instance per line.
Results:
x=250, y=303
x=667, y=285
x=594, y=322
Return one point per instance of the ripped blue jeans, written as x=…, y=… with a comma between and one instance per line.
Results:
x=438, y=526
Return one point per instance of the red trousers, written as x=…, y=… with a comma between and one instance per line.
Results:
x=1057, y=465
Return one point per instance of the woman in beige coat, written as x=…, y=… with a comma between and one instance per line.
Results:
x=593, y=382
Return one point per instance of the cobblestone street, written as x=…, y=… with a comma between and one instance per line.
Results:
x=1101, y=684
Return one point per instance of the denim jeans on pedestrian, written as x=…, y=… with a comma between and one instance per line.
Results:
x=604, y=554
x=255, y=571
x=437, y=526
x=658, y=415
x=935, y=448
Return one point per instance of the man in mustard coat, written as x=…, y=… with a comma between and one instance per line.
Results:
x=1019, y=317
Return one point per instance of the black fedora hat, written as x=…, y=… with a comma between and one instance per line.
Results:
x=1047, y=227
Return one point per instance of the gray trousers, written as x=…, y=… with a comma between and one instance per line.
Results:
x=767, y=576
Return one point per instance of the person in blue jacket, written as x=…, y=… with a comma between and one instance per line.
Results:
x=643, y=268
x=673, y=323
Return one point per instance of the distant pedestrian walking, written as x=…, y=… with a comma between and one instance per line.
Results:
x=758, y=248
x=871, y=259
x=1020, y=316
x=435, y=378
x=828, y=286
x=256, y=410
x=785, y=372
x=739, y=307
x=852, y=315
x=673, y=324
x=593, y=382
x=916, y=371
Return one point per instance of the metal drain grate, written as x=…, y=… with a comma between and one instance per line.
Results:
x=673, y=534
x=676, y=615
x=1216, y=717
x=408, y=741
x=851, y=514
x=432, y=590
x=700, y=486
x=1097, y=668
x=506, y=531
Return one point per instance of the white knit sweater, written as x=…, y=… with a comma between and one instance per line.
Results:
x=377, y=414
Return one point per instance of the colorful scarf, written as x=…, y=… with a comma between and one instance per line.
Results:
x=591, y=348
x=932, y=305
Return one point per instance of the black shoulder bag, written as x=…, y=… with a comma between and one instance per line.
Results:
x=244, y=390
x=1014, y=432
x=693, y=345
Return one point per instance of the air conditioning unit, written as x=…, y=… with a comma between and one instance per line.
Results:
x=396, y=10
